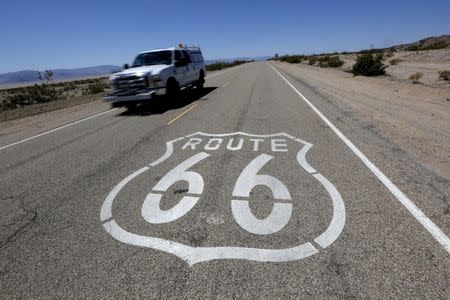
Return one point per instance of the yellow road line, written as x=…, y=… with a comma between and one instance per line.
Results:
x=183, y=113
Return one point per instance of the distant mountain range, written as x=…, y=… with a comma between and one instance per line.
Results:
x=31, y=76
x=426, y=42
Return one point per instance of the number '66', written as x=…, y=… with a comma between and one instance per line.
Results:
x=247, y=180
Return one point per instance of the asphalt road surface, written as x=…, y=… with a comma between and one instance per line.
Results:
x=257, y=187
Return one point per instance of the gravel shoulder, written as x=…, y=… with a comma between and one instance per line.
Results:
x=413, y=116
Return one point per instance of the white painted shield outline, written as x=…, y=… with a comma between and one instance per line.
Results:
x=193, y=255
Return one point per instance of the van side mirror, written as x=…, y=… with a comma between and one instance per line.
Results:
x=125, y=66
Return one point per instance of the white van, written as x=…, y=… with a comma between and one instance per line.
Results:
x=157, y=72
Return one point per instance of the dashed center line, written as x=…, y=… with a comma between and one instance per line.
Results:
x=183, y=113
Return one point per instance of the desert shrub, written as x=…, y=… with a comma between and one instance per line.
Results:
x=412, y=48
x=389, y=54
x=368, y=64
x=32, y=94
x=372, y=51
x=395, y=61
x=435, y=46
x=335, y=62
x=292, y=59
x=415, y=77
x=222, y=65
x=89, y=80
x=312, y=60
x=323, y=63
x=96, y=87
x=68, y=86
x=444, y=75
x=331, y=62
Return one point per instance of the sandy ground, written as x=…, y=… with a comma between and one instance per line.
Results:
x=416, y=117
x=426, y=62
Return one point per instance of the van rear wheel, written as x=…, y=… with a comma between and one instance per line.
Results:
x=200, y=81
x=131, y=105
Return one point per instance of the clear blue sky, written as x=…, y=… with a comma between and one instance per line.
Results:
x=65, y=34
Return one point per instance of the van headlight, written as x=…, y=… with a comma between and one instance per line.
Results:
x=112, y=83
x=155, y=80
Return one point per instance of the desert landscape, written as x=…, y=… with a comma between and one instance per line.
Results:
x=413, y=114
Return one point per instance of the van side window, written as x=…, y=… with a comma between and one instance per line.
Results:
x=178, y=55
x=186, y=55
x=197, y=56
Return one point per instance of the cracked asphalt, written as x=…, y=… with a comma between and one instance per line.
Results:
x=74, y=224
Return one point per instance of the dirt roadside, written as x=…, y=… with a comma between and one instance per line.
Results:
x=414, y=116
x=26, y=121
x=39, y=108
x=20, y=128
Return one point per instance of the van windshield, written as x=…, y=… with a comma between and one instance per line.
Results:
x=153, y=58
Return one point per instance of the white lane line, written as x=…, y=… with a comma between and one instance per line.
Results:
x=56, y=129
x=435, y=231
x=82, y=120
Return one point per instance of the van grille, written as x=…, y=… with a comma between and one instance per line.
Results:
x=130, y=83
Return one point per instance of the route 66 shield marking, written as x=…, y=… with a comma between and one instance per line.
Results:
x=249, y=178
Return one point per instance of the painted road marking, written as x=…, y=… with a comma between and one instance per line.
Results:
x=57, y=128
x=238, y=199
x=183, y=113
x=88, y=118
x=432, y=228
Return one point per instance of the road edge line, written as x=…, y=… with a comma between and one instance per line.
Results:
x=417, y=213
x=57, y=128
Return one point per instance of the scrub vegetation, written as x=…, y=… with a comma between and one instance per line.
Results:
x=445, y=75
x=395, y=61
x=416, y=77
x=324, y=61
x=369, y=64
x=222, y=65
x=434, y=46
x=48, y=91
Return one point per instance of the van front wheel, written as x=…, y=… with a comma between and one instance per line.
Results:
x=173, y=88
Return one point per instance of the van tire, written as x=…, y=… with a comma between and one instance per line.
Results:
x=172, y=88
x=200, y=81
x=131, y=106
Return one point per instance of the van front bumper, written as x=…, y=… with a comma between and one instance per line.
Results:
x=141, y=96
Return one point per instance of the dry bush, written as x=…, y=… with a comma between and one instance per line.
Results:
x=415, y=77
x=222, y=65
x=445, y=75
x=369, y=64
x=96, y=87
x=395, y=61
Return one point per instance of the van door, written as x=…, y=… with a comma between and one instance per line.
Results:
x=192, y=73
x=181, y=68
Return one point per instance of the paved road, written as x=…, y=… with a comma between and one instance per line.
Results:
x=242, y=191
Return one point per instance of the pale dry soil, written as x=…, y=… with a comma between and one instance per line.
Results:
x=416, y=117
x=429, y=63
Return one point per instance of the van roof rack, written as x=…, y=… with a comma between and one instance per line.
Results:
x=190, y=48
